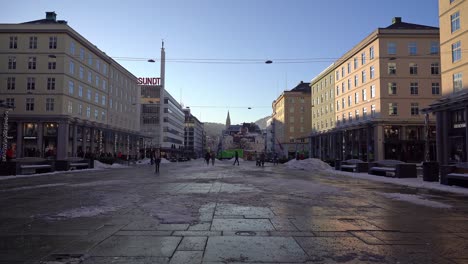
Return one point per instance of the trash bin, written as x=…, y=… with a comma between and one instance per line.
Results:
x=337, y=164
x=431, y=171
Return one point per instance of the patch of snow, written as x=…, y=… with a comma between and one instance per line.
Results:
x=416, y=199
x=33, y=187
x=410, y=182
x=2, y=178
x=100, y=165
x=145, y=161
x=307, y=164
x=165, y=161
x=84, y=212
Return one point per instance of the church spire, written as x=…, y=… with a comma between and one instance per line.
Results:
x=228, y=121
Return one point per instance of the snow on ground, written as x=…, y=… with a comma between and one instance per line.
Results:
x=84, y=212
x=416, y=199
x=307, y=164
x=33, y=187
x=410, y=182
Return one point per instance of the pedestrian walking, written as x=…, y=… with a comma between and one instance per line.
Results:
x=157, y=161
x=275, y=159
x=262, y=159
x=213, y=157
x=207, y=158
x=236, y=158
x=152, y=157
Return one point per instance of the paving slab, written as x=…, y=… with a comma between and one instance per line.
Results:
x=242, y=225
x=187, y=257
x=133, y=246
x=253, y=249
x=192, y=243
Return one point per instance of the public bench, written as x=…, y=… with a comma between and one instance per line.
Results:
x=32, y=168
x=72, y=164
x=393, y=168
x=454, y=174
x=354, y=165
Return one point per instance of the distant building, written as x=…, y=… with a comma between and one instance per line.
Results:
x=247, y=136
x=379, y=87
x=291, y=121
x=194, y=136
x=69, y=97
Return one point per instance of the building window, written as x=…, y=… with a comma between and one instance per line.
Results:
x=72, y=68
x=11, y=62
x=90, y=59
x=50, y=83
x=392, y=109
x=81, y=72
x=350, y=117
x=342, y=87
x=103, y=100
x=291, y=129
x=33, y=42
x=29, y=104
x=13, y=42
x=413, y=68
x=342, y=103
x=356, y=114
x=103, y=116
x=435, y=68
x=80, y=91
x=455, y=18
x=364, y=112
x=363, y=58
x=356, y=98
x=337, y=105
x=372, y=91
x=349, y=84
x=32, y=63
x=349, y=67
x=104, y=70
x=88, y=95
x=70, y=107
x=31, y=84
x=52, y=64
x=391, y=68
x=355, y=63
x=90, y=77
x=104, y=85
x=372, y=72
x=88, y=112
x=456, y=51
x=53, y=42
x=97, y=81
x=291, y=119
x=364, y=94
x=414, y=109
x=11, y=83
x=80, y=109
x=392, y=88
x=337, y=74
x=98, y=65
x=371, y=53
x=457, y=82
x=363, y=76
x=50, y=102
x=391, y=48
x=435, y=88
x=10, y=102
x=71, y=87
x=337, y=90
x=414, y=88
x=96, y=98
x=434, y=47
x=72, y=48
x=291, y=109
x=356, y=79
x=372, y=110
x=82, y=54
x=349, y=100
x=412, y=48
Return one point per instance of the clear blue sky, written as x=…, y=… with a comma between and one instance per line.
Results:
x=222, y=29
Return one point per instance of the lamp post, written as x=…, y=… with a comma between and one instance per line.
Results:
x=5, y=128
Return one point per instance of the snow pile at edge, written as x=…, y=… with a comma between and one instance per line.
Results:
x=415, y=199
x=307, y=164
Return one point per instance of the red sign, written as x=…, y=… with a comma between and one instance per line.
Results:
x=148, y=81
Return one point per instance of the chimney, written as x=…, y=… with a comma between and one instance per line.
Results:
x=51, y=16
x=396, y=20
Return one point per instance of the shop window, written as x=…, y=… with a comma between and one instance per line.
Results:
x=392, y=132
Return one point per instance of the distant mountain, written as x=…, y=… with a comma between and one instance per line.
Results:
x=214, y=129
x=262, y=122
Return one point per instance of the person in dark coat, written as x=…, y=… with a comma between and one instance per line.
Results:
x=236, y=158
x=207, y=158
x=157, y=161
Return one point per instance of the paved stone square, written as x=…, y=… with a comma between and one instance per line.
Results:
x=193, y=213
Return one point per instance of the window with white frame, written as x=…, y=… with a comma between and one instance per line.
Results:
x=50, y=104
x=413, y=68
x=414, y=109
x=80, y=109
x=455, y=21
x=13, y=42
x=363, y=75
x=53, y=42
x=11, y=62
x=349, y=67
x=372, y=91
x=363, y=58
x=31, y=84
x=33, y=42
x=71, y=87
x=337, y=105
x=88, y=112
x=356, y=79
x=392, y=88
x=11, y=83
x=364, y=94
x=355, y=63
x=52, y=63
x=342, y=103
x=356, y=98
x=97, y=80
x=96, y=98
x=96, y=114
x=457, y=82
x=414, y=88
x=50, y=83
x=372, y=72
x=391, y=48
x=349, y=100
x=392, y=109
x=435, y=88
x=350, y=117
x=456, y=51
x=412, y=48
x=32, y=63
x=364, y=112
x=391, y=68
x=435, y=68
x=356, y=114
x=70, y=107
x=373, y=112
x=371, y=53
x=29, y=104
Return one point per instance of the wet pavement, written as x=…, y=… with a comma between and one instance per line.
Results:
x=191, y=213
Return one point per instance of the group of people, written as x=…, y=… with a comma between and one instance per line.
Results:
x=209, y=156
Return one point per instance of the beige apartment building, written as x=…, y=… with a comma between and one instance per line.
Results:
x=291, y=121
x=68, y=97
x=323, y=114
x=452, y=110
x=380, y=86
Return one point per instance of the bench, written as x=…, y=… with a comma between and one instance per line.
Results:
x=454, y=174
x=354, y=165
x=393, y=168
x=33, y=168
x=72, y=164
x=79, y=165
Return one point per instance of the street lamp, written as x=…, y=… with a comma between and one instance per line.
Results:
x=7, y=108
